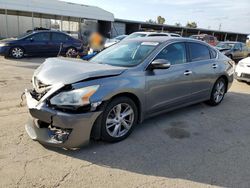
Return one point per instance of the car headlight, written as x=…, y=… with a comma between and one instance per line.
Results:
x=77, y=97
x=241, y=64
x=3, y=44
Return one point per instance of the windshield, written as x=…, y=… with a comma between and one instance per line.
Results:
x=225, y=45
x=23, y=35
x=135, y=35
x=127, y=54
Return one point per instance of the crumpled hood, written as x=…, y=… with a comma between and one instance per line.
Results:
x=67, y=71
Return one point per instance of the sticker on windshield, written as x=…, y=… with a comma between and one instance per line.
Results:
x=150, y=43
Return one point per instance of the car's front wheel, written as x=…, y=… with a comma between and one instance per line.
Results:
x=17, y=52
x=71, y=52
x=118, y=120
x=218, y=92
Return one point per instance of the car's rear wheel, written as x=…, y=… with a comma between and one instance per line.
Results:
x=17, y=52
x=118, y=120
x=218, y=92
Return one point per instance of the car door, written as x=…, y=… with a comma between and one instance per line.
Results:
x=237, y=51
x=37, y=43
x=166, y=88
x=59, y=40
x=244, y=52
x=204, y=65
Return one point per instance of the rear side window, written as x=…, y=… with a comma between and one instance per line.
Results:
x=213, y=53
x=174, y=53
x=198, y=52
x=59, y=37
x=244, y=47
x=237, y=46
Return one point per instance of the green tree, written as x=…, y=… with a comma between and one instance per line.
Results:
x=178, y=24
x=160, y=20
x=191, y=25
x=151, y=21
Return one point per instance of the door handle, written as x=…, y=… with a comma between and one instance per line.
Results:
x=215, y=66
x=187, y=72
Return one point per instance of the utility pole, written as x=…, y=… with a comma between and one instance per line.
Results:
x=220, y=27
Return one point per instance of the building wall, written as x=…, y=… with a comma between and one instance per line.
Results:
x=118, y=29
x=12, y=28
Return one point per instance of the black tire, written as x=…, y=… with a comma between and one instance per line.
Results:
x=16, y=52
x=106, y=132
x=214, y=101
x=71, y=51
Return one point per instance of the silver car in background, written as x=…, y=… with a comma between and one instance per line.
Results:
x=73, y=101
x=151, y=34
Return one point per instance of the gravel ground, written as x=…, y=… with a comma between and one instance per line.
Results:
x=197, y=146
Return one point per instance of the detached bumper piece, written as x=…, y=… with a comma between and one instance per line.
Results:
x=51, y=135
x=56, y=128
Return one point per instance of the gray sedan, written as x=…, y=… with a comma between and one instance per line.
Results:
x=73, y=101
x=234, y=50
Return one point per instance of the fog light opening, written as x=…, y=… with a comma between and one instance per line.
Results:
x=59, y=135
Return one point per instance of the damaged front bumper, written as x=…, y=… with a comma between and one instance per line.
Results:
x=56, y=128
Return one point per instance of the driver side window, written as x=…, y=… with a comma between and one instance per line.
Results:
x=174, y=53
x=237, y=46
x=40, y=37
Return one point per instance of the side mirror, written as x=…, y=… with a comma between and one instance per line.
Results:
x=31, y=39
x=160, y=64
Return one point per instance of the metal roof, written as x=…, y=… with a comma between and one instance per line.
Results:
x=55, y=7
x=176, y=27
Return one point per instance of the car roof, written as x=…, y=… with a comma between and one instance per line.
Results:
x=162, y=39
x=152, y=32
x=234, y=42
x=50, y=31
x=144, y=32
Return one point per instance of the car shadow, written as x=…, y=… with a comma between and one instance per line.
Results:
x=199, y=143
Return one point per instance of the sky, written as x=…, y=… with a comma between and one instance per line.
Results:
x=233, y=15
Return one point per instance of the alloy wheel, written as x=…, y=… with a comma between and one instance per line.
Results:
x=219, y=92
x=17, y=52
x=120, y=120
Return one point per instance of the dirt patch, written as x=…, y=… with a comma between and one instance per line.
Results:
x=18, y=77
x=176, y=132
x=3, y=82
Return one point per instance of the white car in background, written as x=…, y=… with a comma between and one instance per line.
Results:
x=150, y=34
x=110, y=42
x=242, y=71
x=113, y=41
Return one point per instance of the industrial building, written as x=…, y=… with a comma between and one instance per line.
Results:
x=20, y=16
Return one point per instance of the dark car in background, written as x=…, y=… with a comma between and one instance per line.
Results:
x=45, y=42
x=234, y=50
x=212, y=40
